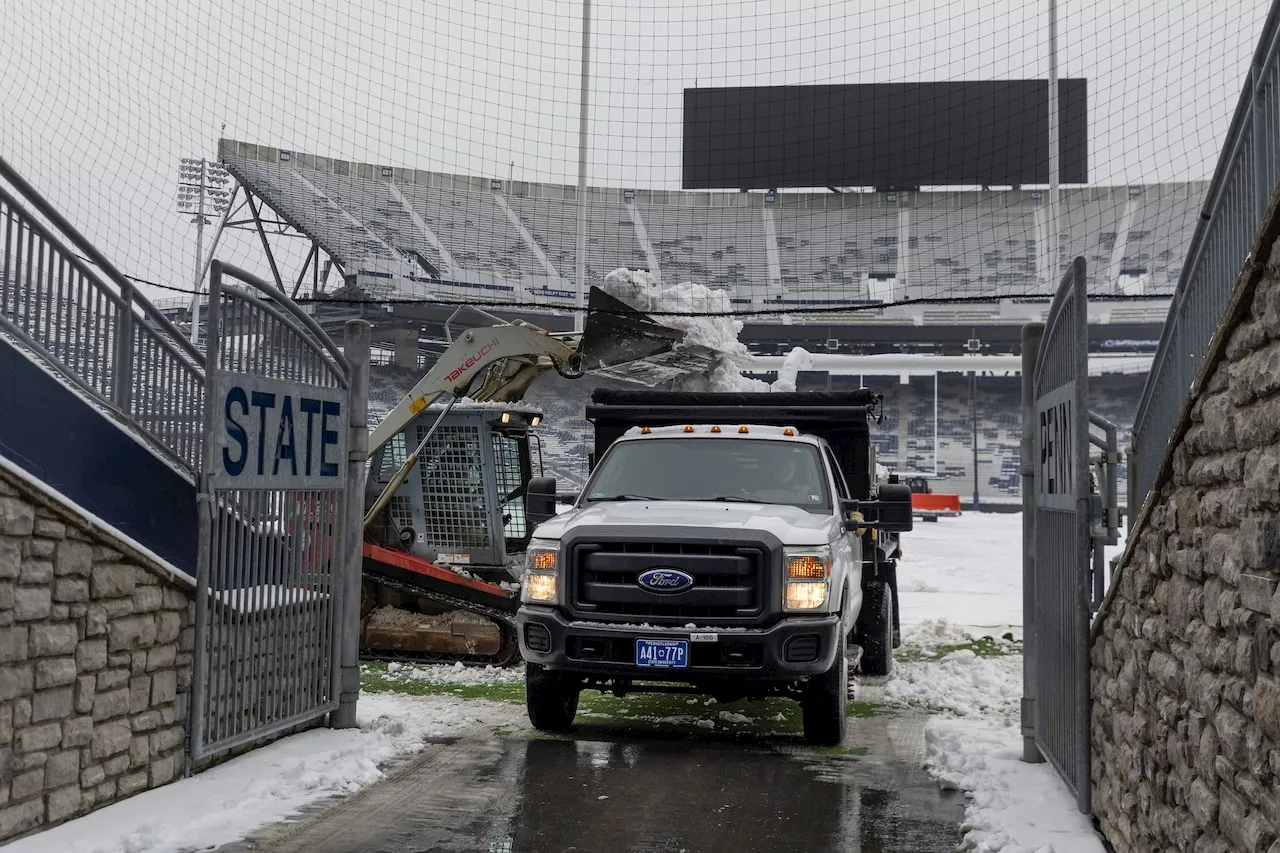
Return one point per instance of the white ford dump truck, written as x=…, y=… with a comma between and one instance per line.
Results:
x=726, y=544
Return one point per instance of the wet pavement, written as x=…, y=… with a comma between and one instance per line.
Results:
x=601, y=791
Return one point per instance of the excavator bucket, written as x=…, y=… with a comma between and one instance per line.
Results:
x=615, y=333
x=621, y=342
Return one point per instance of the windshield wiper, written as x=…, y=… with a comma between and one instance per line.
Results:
x=625, y=498
x=737, y=499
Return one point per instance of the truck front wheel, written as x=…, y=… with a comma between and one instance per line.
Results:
x=875, y=629
x=824, y=701
x=551, y=698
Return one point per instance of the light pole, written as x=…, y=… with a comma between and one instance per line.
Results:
x=973, y=397
x=580, y=273
x=1053, y=144
x=202, y=190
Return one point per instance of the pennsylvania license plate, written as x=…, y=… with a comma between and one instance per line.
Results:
x=662, y=654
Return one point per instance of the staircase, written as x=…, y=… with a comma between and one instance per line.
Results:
x=102, y=396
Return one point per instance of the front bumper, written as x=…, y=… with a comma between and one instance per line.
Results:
x=608, y=650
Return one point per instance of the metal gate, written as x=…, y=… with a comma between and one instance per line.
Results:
x=273, y=500
x=1058, y=624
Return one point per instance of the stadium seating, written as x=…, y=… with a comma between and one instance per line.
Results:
x=720, y=247
x=825, y=245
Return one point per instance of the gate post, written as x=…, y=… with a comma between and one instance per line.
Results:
x=1031, y=335
x=356, y=349
x=205, y=505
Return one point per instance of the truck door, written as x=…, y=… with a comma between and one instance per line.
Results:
x=848, y=543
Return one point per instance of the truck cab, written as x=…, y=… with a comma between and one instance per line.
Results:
x=734, y=544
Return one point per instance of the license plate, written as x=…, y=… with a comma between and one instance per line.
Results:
x=662, y=654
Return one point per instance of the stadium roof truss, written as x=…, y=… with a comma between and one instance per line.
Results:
x=252, y=210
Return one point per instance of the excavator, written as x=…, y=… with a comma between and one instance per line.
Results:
x=453, y=495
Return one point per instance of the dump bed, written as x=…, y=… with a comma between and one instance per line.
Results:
x=842, y=418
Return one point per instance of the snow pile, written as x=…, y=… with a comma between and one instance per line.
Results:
x=640, y=290
x=267, y=785
x=457, y=674
x=1013, y=807
x=961, y=683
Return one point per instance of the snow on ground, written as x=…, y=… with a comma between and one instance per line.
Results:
x=966, y=571
x=960, y=683
x=268, y=784
x=1014, y=807
x=960, y=580
x=457, y=674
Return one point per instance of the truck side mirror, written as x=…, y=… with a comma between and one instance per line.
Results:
x=540, y=500
x=895, y=512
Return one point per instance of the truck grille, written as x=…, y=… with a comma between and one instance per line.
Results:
x=728, y=580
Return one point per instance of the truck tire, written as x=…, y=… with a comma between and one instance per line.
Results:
x=824, y=701
x=875, y=629
x=551, y=699
x=890, y=572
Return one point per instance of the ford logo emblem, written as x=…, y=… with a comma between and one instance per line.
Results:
x=664, y=580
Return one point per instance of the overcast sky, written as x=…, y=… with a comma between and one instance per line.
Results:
x=99, y=98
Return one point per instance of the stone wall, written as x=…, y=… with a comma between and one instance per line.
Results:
x=1186, y=655
x=95, y=664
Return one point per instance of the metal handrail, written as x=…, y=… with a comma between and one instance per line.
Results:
x=1247, y=172
x=49, y=212
x=110, y=343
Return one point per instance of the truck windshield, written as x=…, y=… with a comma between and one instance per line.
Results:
x=706, y=469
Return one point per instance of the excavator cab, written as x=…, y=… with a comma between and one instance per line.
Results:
x=472, y=500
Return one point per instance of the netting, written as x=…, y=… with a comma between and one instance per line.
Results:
x=420, y=150
x=433, y=147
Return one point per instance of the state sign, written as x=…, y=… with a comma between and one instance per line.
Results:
x=272, y=434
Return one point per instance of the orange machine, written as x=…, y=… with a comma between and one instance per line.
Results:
x=930, y=506
x=925, y=503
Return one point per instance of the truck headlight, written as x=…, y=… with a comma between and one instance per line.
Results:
x=806, y=595
x=808, y=573
x=540, y=564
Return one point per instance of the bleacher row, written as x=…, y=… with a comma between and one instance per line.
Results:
x=803, y=248
x=904, y=438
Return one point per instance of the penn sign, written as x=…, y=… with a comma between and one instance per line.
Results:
x=272, y=434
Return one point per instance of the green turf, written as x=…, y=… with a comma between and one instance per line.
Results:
x=374, y=678
x=654, y=716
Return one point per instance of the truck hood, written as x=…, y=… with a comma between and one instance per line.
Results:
x=791, y=525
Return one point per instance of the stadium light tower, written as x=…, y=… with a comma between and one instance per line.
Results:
x=202, y=190
x=580, y=273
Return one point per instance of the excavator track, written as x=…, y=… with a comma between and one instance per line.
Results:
x=507, y=654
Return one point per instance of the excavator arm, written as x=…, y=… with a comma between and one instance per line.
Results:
x=614, y=334
x=467, y=358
